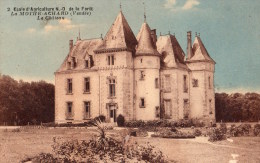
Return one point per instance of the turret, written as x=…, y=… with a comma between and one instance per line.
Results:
x=146, y=70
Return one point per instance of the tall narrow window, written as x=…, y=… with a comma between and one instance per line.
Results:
x=210, y=107
x=167, y=84
x=74, y=62
x=157, y=112
x=69, y=85
x=68, y=65
x=185, y=85
x=112, y=87
x=86, y=63
x=87, y=109
x=186, y=108
x=209, y=82
x=69, y=111
x=86, y=84
x=69, y=105
x=156, y=83
x=168, y=108
x=142, y=75
x=110, y=59
x=142, y=103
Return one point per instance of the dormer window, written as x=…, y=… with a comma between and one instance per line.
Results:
x=86, y=63
x=68, y=65
x=74, y=63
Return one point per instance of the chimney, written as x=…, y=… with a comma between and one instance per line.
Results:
x=71, y=44
x=154, y=36
x=189, y=47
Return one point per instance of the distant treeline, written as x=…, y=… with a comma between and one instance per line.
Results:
x=237, y=107
x=22, y=102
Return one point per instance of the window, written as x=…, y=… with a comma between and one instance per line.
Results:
x=185, y=86
x=69, y=85
x=110, y=59
x=86, y=63
x=112, y=87
x=69, y=65
x=69, y=106
x=156, y=83
x=209, y=82
x=86, y=109
x=210, y=107
x=157, y=112
x=195, y=82
x=186, y=108
x=142, y=103
x=141, y=60
x=69, y=111
x=167, y=85
x=168, y=108
x=74, y=62
x=142, y=75
x=86, y=84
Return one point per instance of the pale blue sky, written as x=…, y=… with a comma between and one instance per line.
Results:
x=32, y=50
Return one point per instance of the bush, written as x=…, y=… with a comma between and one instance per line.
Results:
x=120, y=121
x=223, y=128
x=42, y=157
x=241, y=130
x=197, y=132
x=257, y=130
x=102, y=118
x=216, y=135
x=167, y=133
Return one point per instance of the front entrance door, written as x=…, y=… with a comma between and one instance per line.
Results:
x=112, y=113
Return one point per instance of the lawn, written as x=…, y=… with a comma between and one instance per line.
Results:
x=15, y=146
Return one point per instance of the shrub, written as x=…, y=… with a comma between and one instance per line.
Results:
x=216, y=135
x=173, y=129
x=42, y=157
x=105, y=149
x=16, y=130
x=197, y=122
x=101, y=118
x=197, y=132
x=167, y=133
x=120, y=121
x=223, y=128
x=241, y=130
x=257, y=130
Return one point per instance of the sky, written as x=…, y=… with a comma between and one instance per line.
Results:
x=33, y=50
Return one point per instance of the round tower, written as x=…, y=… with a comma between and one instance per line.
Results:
x=202, y=94
x=147, y=75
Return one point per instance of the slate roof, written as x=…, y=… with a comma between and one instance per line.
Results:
x=145, y=45
x=119, y=36
x=171, y=50
x=200, y=53
x=81, y=50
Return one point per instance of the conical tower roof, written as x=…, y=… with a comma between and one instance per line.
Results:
x=119, y=36
x=145, y=46
x=200, y=53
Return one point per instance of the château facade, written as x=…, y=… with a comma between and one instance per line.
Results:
x=141, y=78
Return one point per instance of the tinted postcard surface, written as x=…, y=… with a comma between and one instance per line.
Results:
x=177, y=78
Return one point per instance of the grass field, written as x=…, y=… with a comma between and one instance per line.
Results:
x=15, y=146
